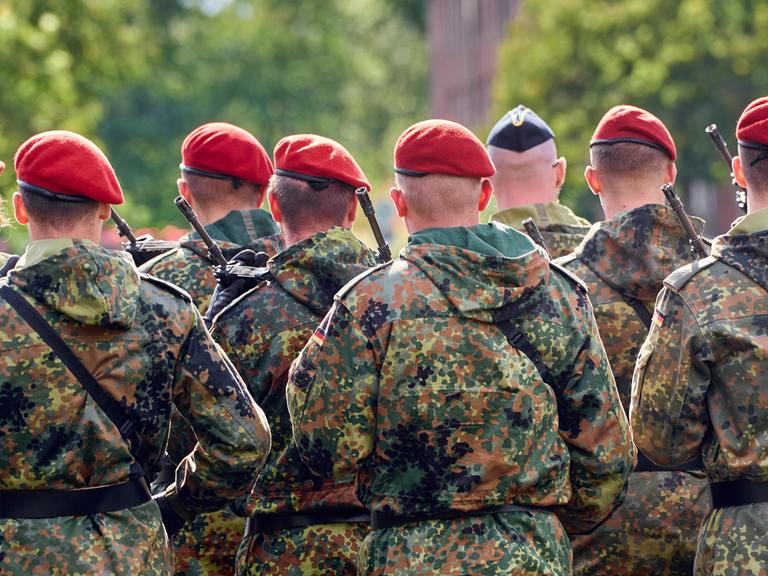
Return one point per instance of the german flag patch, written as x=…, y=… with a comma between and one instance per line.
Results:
x=318, y=337
x=658, y=317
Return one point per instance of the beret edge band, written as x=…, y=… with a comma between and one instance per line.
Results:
x=650, y=143
x=56, y=196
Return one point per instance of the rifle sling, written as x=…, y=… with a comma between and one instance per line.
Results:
x=518, y=340
x=637, y=305
x=107, y=403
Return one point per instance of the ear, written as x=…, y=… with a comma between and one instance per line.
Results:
x=274, y=207
x=738, y=172
x=671, y=174
x=593, y=180
x=352, y=212
x=398, y=199
x=486, y=191
x=181, y=184
x=105, y=211
x=262, y=193
x=560, y=169
x=19, y=210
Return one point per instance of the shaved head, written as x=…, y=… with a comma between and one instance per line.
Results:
x=530, y=177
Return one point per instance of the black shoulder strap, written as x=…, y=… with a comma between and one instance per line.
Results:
x=109, y=405
x=518, y=340
x=637, y=305
x=8, y=266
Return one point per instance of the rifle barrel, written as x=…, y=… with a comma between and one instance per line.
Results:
x=677, y=205
x=365, y=203
x=214, y=251
x=122, y=227
x=722, y=148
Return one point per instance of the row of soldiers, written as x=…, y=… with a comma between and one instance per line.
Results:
x=461, y=409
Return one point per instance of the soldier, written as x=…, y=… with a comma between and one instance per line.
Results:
x=699, y=387
x=464, y=384
x=623, y=261
x=93, y=356
x=528, y=179
x=298, y=522
x=224, y=173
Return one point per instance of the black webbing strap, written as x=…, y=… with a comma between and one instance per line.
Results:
x=75, y=502
x=109, y=405
x=383, y=520
x=8, y=266
x=637, y=305
x=293, y=520
x=739, y=492
x=518, y=340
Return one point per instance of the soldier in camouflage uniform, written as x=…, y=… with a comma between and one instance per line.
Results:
x=528, y=179
x=146, y=345
x=699, y=387
x=224, y=173
x=623, y=262
x=464, y=384
x=299, y=521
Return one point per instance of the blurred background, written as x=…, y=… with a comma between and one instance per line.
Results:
x=137, y=75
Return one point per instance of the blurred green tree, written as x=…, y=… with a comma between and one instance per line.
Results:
x=691, y=62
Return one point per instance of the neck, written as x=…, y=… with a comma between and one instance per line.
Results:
x=614, y=202
x=511, y=196
x=292, y=237
x=414, y=225
x=84, y=233
x=756, y=201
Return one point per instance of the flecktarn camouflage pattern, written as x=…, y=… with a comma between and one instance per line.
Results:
x=699, y=390
x=654, y=531
x=561, y=229
x=262, y=333
x=148, y=348
x=189, y=266
x=209, y=544
x=410, y=386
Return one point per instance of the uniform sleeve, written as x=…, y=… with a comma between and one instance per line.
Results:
x=594, y=425
x=332, y=396
x=669, y=386
x=232, y=432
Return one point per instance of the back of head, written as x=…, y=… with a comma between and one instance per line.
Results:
x=632, y=155
x=441, y=170
x=65, y=181
x=314, y=185
x=224, y=167
x=523, y=149
x=752, y=135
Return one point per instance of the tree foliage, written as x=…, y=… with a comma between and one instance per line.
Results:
x=691, y=62
x=138, y=75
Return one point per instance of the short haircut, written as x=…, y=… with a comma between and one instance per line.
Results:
x=435, y=196
x=209, y=192
x=3, y=216
x=299, y=203
x=57, y=213
x=757, y=175
x=626, y=159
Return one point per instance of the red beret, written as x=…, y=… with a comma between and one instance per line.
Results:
x=317, y=160
x=65, y=166
x=631, y=124
x=224, y=151
x=752, y=127
x=441, y=147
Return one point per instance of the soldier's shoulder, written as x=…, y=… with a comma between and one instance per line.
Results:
x=682, y=277
x=162, y=260
x=366, y=278
x=560, y=270
x=166, y=287
x=257, y=299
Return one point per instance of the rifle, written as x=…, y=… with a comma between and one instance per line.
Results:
x=534, y=233
x=697, y=243
x=143, y=248
x=365, y=203
x=722, y=148
x=222, y=269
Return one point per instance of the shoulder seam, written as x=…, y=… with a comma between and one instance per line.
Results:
x=569, y=275
x=344, y=290
x=677, y=280
x=167, y=286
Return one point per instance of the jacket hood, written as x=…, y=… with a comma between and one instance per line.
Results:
x=748, y=253
x=85, y=282
x=481, y=270
x=635, y=250
x=238, y=230
x=313, y=270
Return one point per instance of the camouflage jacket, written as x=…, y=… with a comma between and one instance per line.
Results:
x=409, y=384
x=628, y=257
x=561, y=229
x=189, y=266
x=4, y=258
x=699, y=386
x=264, y=331
x=147, y=346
